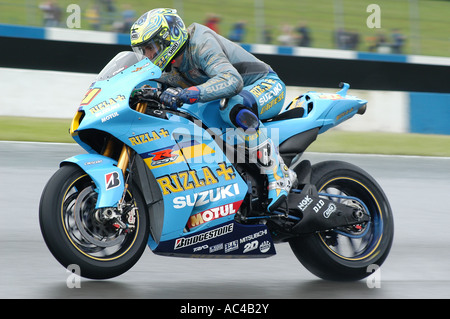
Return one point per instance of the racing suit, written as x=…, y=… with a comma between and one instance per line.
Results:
x=218, y=68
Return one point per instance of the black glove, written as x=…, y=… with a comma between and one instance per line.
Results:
x=171, y=98
x=175, y=97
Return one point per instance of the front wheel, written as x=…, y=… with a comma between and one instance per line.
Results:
x=103, y=243
x=345, y=254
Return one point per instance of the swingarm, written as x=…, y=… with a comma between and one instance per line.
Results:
x=323, y=211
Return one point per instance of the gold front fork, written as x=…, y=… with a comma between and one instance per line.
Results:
x=124, y=159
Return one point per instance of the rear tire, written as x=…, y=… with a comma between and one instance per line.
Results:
x=75, y=236
x=345, y=255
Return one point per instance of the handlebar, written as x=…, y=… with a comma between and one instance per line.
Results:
x=150, y=93
x=152, y=96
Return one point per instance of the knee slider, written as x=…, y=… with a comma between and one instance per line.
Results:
x=246, y=120
x=241, y=111
x=243, y=117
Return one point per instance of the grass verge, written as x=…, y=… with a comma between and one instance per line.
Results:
x=57, y=130
x=382, y=143
x=35, y=129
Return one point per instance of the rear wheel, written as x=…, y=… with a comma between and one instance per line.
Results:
x=104, y=243
x=345, y=254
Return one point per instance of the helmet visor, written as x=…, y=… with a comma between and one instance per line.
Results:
x=151, y=49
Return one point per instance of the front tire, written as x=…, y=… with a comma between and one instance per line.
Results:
x=346, y=254
x=74, y=233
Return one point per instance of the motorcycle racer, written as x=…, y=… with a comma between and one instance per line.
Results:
x=199, y=65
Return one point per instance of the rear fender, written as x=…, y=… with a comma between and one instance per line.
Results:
x=108, y=178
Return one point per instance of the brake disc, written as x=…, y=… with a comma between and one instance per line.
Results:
x=98, y=233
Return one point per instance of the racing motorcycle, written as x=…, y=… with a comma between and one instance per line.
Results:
x=181, y=182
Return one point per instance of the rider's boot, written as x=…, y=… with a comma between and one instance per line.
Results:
x=280, y=178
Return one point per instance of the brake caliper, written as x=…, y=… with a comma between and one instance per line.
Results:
x=122, y=218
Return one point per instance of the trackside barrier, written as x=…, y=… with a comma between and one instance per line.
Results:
x=406, y=93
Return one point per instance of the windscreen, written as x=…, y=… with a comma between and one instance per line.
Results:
x=119, y=63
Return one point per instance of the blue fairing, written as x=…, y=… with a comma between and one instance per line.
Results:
x=106, y=104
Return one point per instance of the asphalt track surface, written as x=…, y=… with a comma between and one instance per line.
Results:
x=417, y=267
